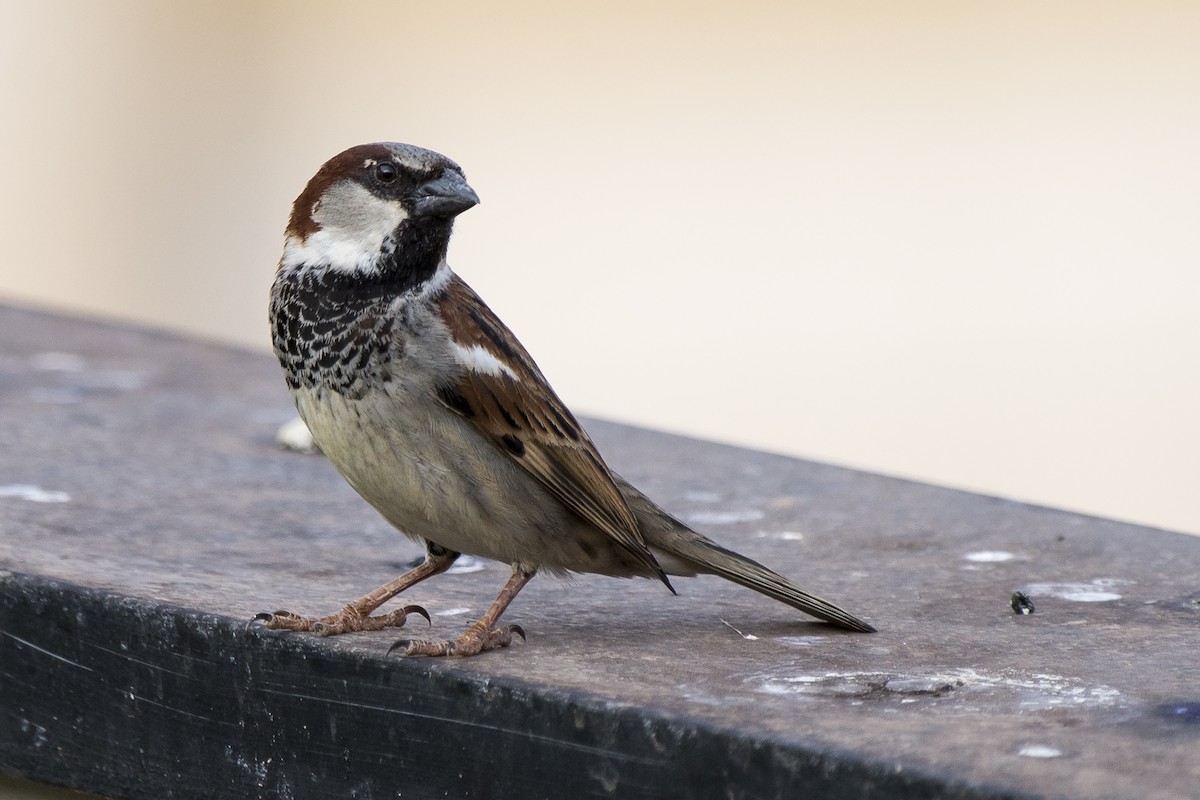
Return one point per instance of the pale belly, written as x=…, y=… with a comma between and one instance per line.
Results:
x=432, y=476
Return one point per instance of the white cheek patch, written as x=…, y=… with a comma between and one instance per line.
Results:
x=329, y=250
x=354, y=224
x=477, y=359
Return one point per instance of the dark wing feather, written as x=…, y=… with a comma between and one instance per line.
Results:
x=525, y=419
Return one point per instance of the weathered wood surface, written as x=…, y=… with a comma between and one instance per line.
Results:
x=146, y=515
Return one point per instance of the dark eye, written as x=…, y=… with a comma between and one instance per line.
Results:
x=386, y=172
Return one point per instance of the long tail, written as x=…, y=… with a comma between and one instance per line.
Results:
x=682, y=551
x=711, y=558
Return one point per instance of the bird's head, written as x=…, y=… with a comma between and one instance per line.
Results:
x=378, y=209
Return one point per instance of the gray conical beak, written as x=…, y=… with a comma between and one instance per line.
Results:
x=447, y=196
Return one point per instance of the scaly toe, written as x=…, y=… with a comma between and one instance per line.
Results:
x=331, y=627
x=284, y=621
x=348, y=621
x=344, y=621
x=470, y=643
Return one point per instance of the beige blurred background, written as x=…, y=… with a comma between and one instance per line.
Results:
x=951, y=241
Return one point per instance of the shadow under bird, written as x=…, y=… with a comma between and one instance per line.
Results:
x=433, y=411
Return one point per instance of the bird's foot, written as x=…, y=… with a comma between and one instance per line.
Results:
x=476, y=640
x=344, y=621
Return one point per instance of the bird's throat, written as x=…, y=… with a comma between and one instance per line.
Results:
x=413, y=254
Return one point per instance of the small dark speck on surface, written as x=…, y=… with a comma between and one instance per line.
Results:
x=1021, y=604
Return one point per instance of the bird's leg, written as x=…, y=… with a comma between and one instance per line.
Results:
x=357, y=615
x=483, y=635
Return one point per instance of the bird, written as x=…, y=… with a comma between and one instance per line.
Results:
x=434, y=412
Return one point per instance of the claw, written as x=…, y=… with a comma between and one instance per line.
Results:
x=263, y=617
x=519, y=631
x=418, y=610
x=398, y=644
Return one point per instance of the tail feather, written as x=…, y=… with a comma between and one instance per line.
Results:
x=749, y=573
x=682, y=551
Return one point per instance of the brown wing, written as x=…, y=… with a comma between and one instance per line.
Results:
x=516, y=408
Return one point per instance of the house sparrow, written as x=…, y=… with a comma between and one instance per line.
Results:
x=434, y=412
